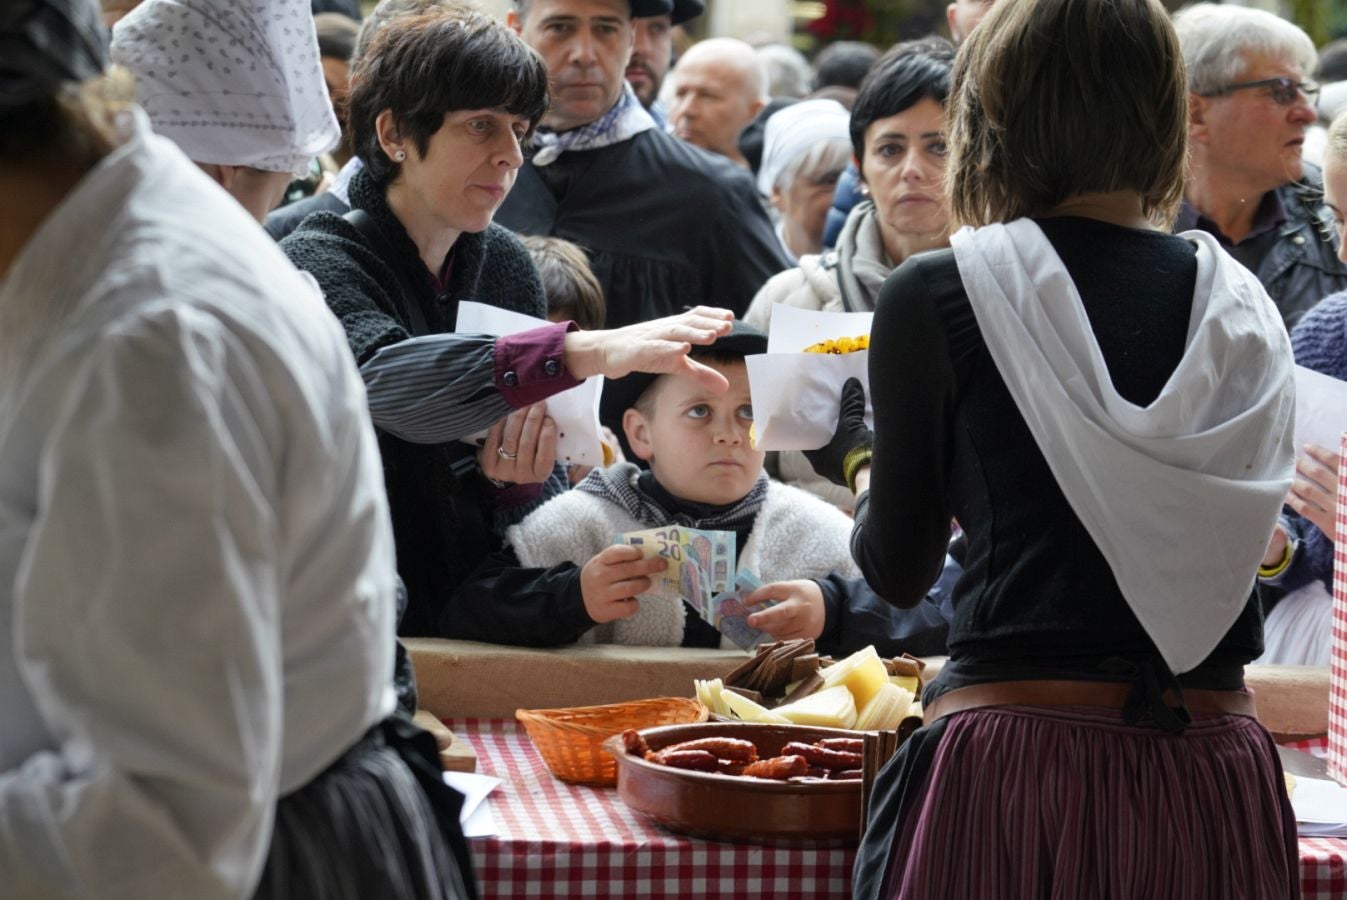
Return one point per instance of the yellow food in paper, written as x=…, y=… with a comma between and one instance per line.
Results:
x=832, y=707
x=841, y=345
x=862, y=672
x=1290, y=783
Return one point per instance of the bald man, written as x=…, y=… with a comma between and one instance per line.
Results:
x=719, y=86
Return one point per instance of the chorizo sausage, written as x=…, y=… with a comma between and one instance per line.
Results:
x=850, y=745
x=696, y=760
x=821, y=756
x=778, y=768
x=733, y=749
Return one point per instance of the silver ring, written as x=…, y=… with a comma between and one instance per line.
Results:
x=504, y=454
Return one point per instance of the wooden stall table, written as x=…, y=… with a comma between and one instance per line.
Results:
x=560, y=840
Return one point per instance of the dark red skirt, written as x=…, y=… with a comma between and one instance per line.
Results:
x=1038, y=803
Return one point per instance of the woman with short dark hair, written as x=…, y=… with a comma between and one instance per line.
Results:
x=897, y=131
x=1105, y=408
x=441, y=105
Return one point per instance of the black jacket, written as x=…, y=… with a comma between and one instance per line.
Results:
x=442, y=510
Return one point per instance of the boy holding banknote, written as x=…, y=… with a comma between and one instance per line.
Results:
x=562, y=578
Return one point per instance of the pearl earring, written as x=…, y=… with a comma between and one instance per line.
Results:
x=400, y=156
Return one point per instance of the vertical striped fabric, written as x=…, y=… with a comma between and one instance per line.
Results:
x=362, y=830
x=1068, y=803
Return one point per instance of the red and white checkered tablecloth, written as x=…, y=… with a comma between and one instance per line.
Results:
x=561, y=840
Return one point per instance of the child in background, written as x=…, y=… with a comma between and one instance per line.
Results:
x=561, y=578
x=573, y=293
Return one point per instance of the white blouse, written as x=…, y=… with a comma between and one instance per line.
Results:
x=196, y=561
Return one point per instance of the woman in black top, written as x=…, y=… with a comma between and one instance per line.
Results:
x=1104, y=408
x=441, y=106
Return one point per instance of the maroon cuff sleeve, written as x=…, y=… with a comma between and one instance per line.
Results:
x=518, y=494
x=531, y=365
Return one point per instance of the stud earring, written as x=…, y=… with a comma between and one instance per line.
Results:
x=400, y=156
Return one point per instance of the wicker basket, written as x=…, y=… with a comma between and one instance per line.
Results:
x=571, y=740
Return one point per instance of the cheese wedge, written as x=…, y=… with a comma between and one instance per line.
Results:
x=862, y=673
x=832, y=707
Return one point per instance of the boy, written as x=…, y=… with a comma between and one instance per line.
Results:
x=561, y=575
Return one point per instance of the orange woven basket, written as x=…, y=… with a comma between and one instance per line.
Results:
x=571, y=740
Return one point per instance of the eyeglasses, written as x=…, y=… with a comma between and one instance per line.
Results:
x=1283, y=91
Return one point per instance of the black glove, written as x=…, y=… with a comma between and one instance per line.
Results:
x=849, y=440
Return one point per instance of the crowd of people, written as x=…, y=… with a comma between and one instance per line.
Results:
x=244, y=449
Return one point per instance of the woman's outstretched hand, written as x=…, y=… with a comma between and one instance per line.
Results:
x=659, y=346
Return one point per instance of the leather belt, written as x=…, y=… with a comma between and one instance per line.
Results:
x=1109, y=694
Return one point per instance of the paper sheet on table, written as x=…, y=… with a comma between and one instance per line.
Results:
x=1320, y=807
x=1321, y=409
x=575, y=411
x=796, y=395
x=476, y=816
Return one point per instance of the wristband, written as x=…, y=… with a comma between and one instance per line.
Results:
x=857, y=458
x=1274, y=570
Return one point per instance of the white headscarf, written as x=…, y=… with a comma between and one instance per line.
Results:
x=1180, y=496
x=232, y=82
x=792, y=132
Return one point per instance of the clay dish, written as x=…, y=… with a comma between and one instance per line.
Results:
x=726, y=807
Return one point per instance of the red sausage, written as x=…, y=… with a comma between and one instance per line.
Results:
x=821, y=756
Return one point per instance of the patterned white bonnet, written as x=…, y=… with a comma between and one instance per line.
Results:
x=232, y=82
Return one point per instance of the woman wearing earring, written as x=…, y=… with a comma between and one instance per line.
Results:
x=439, y=107
x=898, y=136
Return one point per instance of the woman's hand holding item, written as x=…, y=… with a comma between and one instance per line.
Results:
x=610, y=581
x=1314, y=492
x=848, y=453
x=659, y=346
x=798, y=614
x=520, y=448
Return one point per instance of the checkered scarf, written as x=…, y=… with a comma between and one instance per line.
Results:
x=620, y=484
x=625, y=120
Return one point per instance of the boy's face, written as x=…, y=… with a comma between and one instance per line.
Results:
x=696, y=442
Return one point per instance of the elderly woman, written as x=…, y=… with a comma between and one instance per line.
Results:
x=1105, y=407
x=440, y=105
x=897, y=133
x=197, y=583
x=805, y=148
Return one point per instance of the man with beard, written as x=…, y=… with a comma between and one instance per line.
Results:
x=652, y=54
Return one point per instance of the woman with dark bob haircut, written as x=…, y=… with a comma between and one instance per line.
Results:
x=1105, y=409
x=441, y=105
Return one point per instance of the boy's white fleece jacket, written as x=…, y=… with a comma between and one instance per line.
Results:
x=796, y=535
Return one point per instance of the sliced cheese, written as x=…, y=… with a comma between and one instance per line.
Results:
x=862, y=672
x=749, y=711
x=886, y=709
x=906, y=682
x=832, y=707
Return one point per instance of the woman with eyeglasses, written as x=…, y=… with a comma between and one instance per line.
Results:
x=1106, y=409
x=1252, y=101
